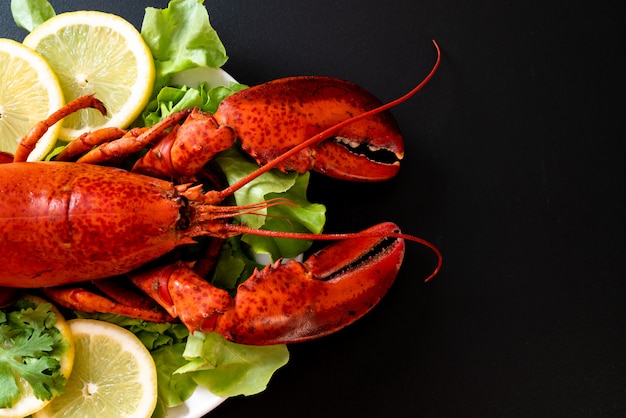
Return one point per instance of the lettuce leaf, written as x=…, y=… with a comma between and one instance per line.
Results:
x=230, y=369
x=173, y=389
x=28, y=14
x=234, y=265
x=302, y=216
x=181, y=37
x=171, y=99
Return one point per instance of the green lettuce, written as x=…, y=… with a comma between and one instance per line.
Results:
x=228, y=368
x=236, y=261
x=181, y=37
x=171, y=99
x=301, y=216
x=28, y=14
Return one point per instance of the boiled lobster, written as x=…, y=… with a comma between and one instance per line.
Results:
x=63, y=222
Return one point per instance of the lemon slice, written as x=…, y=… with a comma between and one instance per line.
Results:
x=28, y=402
x=29, y=92
x=97, y=53
x=113, y=375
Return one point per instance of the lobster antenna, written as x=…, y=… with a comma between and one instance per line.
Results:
x=220, y=195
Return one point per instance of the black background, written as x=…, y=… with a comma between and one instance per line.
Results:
x=514, y=167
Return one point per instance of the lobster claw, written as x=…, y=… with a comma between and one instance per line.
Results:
x=274, y=117
x=285, y=302
x=293, y=302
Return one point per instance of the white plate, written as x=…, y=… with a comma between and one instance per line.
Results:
x=199, y=404
x=213, y=77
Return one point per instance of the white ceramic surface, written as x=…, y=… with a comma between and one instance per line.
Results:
x=199, y=404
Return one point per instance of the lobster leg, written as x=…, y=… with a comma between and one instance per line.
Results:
x=88, y=140
x=27, y=144
x=84, y=300
x=290, y=302
x=129, y=144
x=181, y=152
x=184, y=294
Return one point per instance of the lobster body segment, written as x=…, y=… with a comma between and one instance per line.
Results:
x=67, y=222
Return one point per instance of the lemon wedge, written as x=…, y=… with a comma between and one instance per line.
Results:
x=96, y=53
x=113, y=375
x=29, y=92
x=28, y=403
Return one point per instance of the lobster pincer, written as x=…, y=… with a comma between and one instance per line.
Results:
x=290, y=301
x=274, y=117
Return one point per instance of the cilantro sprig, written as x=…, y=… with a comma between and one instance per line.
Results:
x=30, y=348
